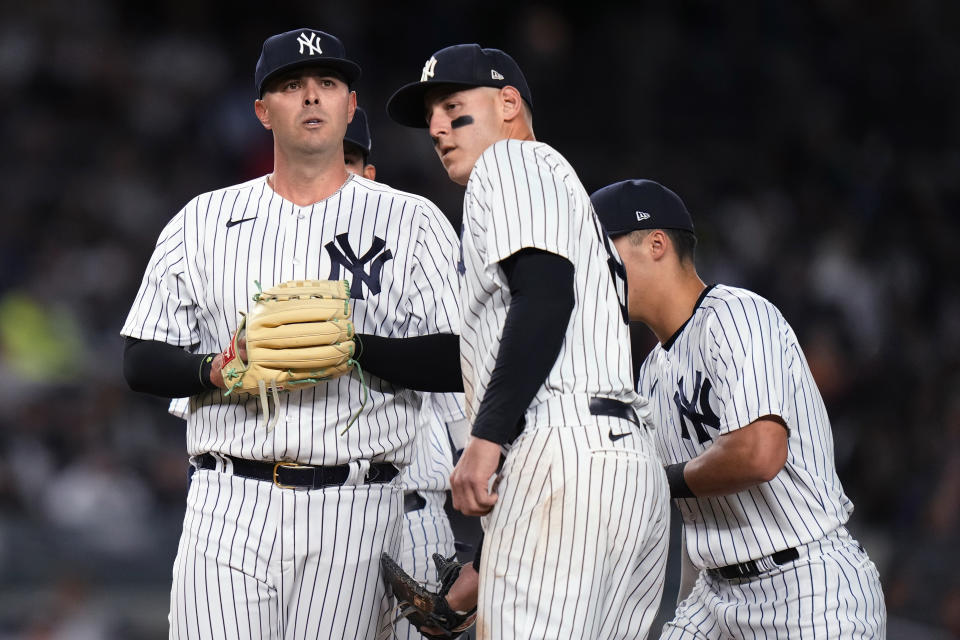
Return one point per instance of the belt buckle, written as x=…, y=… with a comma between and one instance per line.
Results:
x=287, y=465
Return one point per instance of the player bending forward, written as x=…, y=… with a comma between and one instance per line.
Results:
x=745, y=435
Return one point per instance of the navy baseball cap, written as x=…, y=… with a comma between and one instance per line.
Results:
x=462, y=65
x=633, y=205
x=358, y=132
x=303, y=48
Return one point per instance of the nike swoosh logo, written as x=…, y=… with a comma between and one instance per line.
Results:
x=617, y=436
x=230, y=223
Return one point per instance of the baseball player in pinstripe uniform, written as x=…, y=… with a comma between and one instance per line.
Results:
x=284, y=528
x=575, y=520
x=425, y=529
x=746, y=439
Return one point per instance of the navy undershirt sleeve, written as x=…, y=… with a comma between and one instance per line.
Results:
x=422, y=363
x=165, y=370
x=541, y=302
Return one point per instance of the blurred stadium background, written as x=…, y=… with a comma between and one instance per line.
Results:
x=815, y=143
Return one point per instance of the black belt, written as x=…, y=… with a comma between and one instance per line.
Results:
x=753, y=568
x=292, y=475
x=413, y=501
x=614, y=409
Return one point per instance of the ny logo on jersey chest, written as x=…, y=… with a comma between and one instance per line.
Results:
x=346, y=257
x=688, y=409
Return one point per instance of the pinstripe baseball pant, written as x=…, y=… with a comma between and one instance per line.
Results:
x=576, y=545
x=423, y=533
x=831, y=591
x=258, y=561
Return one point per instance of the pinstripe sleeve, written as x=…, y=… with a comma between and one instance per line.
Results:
x=435, y=306
x=165, y=306
x=527, y=200
x=745, y=350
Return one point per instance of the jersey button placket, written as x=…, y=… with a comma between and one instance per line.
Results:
x=292, y=250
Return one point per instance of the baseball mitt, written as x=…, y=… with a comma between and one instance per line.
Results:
x=427, y=611
x=298, y=334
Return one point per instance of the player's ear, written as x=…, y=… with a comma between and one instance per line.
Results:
x=369, y=172
x=351, y=106
x=511, y=104
x=657, y=243
x=262, y=115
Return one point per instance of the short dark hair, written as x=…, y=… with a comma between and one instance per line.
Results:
x=684, y=242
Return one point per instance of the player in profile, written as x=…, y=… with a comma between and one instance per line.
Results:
x=575, y=520
x=743, y=431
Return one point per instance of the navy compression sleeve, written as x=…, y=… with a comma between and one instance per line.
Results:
x=165, y=370
x=541, y=301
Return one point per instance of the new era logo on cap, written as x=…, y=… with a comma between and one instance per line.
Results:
x=462, y=65
x=642, y=215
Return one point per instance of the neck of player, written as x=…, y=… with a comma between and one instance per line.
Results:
x=677, y=297
x=305, y=181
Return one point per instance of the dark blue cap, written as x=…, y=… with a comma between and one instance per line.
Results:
x=303, y=48
x=633, y=205
x=462, y=65
x=358, y=132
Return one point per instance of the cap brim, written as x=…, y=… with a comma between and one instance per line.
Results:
x=347, y=68
x=406, y=105
x=356, y=145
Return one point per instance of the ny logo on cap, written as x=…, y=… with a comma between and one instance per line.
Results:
x=642, y=215
x=311, y=42
x=428, y=68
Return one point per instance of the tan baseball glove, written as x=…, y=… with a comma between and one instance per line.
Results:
x=298, y=334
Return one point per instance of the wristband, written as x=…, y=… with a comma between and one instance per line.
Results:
x=678, y=484
x=206, y=365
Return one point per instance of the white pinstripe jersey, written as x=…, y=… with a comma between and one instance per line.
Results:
x=432, y=461
x=397, y=250
x=734, y=361
x=523, y=194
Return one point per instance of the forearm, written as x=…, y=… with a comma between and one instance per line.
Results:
x=165, y=370
x=735, y=462
x=422, y=363
x=719, y=475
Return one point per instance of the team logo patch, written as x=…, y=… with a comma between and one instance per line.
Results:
x=688, y=409
x=311, y=42
x=346, y=257
x=428, y=69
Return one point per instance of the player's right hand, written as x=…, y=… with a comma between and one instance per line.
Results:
x=472, y=481
x=216, y=374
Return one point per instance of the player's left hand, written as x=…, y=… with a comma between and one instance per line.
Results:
x=470, y=482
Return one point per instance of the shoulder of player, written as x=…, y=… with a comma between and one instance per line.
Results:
x=208, y=203
x=734, y=305
x=505, y=155
x=420, y=204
